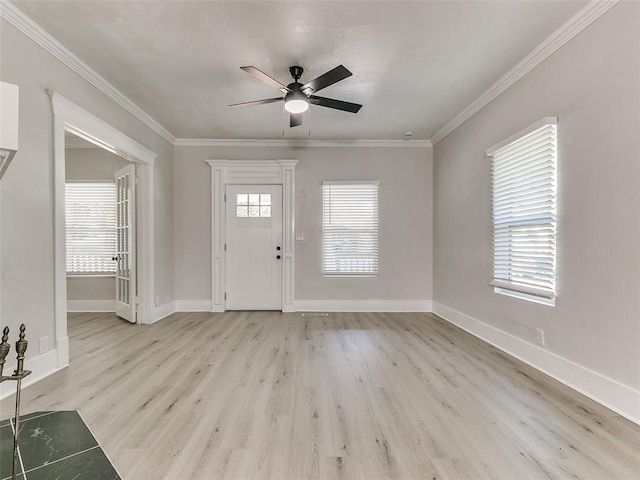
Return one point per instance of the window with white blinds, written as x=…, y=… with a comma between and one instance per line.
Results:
x=91, y=227
x=524, y=211
x=350, y=228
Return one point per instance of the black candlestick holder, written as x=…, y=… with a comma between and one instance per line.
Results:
x=18, y=374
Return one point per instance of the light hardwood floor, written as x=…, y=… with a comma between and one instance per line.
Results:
x=249, y=395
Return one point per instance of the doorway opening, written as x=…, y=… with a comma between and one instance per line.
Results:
x=72, y=119
x=100, y=220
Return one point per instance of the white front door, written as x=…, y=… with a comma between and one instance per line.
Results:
x=125, y=243
x=254, y=247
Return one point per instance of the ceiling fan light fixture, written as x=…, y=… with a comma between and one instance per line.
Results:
x=297, y=97
x=296, y=102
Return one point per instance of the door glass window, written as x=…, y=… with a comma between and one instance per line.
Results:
x=253, y=205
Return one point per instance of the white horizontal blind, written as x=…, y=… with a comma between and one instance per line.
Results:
x=524, y=213
x=91, y=227
x=350, y=228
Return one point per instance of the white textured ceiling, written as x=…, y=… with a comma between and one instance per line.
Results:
x=415, y=64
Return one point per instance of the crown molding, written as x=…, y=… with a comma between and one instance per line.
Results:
x=296, y=143
x=585, y=17
x=576, y=24
x=35, y=32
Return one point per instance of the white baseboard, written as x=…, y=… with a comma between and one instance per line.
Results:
x=91, y=305
x=363, y=305
x=193, y=305
x=163, y=311
x=41, y=366
x=327, y=306
x=612, y=394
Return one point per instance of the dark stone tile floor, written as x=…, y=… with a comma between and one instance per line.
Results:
x=54, y=446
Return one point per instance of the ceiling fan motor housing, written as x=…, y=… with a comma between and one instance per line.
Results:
x=296, y=72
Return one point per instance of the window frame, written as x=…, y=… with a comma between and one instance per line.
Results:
x=351, y=274
x=87, y=274
x=545, y=295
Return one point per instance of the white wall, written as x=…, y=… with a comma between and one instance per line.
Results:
x=405, y=176
x=591, y=84
x=91, y=164
x=26, y=255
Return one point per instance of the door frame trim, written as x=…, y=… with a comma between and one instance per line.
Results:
x=67, y=116
x=250, y=172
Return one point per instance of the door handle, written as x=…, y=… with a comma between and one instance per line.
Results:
x=277, y=248
x=278, y=257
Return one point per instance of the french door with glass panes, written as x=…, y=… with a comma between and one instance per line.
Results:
x=126, y=243
x=254, y=247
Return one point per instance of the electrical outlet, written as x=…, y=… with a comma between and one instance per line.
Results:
x=44, y=345
x=540, y=336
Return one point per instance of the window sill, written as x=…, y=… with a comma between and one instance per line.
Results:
x=549, y=302
x=91, y=275
x=348, y=275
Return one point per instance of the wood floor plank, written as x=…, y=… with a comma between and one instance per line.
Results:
x=266, y=395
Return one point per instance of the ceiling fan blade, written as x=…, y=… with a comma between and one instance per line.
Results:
x=257, y=102
x=263, y=77
x=295, y=119
x=326, y=79
x=337, y=104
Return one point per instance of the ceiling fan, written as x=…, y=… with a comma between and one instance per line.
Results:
x=298, y=96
